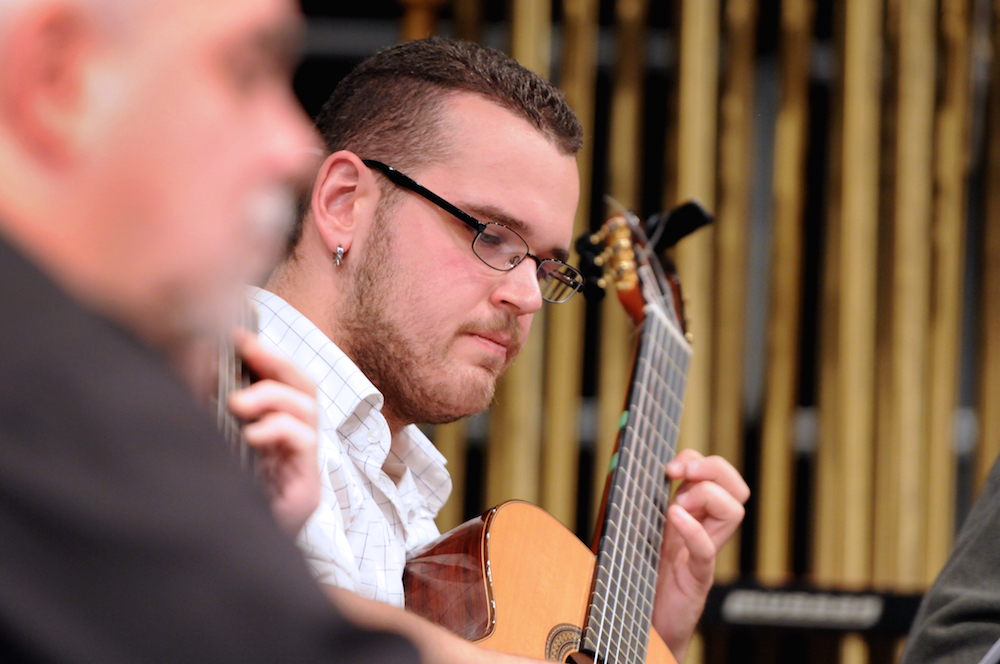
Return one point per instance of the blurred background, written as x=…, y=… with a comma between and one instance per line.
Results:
x=844, y=307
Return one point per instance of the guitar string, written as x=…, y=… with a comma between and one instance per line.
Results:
x=616, y=564
x=618, y=515
x=640, y=528
x=661, y=431
x=646, y=430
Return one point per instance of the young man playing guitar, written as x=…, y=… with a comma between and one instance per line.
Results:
x=406, y=302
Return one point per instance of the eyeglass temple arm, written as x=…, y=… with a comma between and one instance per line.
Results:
x=411, y=184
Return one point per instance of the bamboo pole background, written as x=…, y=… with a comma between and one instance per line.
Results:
x=419, y=18
x=468, y=15
x=514, y=451
x=623, y=185
x=731, y=229
x=989, y=378
x=564, y=368
x=901, y=462
x=698, y=75
x=828, y=554
x=777, y=454
x=697, y=98
x=950, y=177
x=858, y=239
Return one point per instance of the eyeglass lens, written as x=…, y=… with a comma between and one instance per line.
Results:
x=501, y=248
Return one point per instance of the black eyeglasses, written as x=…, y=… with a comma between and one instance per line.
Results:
x=497, y=245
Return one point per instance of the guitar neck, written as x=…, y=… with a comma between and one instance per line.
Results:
x=233, y=375
x=628, y=552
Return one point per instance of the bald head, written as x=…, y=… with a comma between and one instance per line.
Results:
x=150, y=175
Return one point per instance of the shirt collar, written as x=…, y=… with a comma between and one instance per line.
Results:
x=348, y=400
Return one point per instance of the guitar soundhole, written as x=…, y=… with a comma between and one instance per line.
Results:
x=562, y=643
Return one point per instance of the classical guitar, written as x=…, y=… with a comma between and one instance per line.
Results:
x=514, y=579
x=233, y=375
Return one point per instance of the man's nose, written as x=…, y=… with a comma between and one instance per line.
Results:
x=519, y=288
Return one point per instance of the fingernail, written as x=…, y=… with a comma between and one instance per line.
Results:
x=693, y=467
x=681, y=499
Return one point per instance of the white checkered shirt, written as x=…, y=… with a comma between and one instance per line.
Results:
x=380, y=493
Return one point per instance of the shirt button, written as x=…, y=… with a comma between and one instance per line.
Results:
x=372, y=436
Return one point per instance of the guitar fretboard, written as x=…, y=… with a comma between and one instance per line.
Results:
x=232, y=376
x=617, y=628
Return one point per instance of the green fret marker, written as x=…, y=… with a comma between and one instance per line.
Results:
x=614, y=462
x=623, y=420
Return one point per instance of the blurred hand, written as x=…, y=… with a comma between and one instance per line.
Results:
x=282, y=416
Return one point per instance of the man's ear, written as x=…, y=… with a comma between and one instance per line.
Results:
x=43, y=78
x=343, y=200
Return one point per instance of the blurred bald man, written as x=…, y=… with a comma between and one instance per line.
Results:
x=148, y=151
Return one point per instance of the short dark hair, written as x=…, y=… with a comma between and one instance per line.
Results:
x=388, y=107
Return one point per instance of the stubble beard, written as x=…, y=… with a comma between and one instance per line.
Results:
x=402, y=371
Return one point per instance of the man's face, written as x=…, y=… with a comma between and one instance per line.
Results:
x=201, y=146
x=427, y=321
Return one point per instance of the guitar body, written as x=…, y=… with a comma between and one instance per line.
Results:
x=513, y=580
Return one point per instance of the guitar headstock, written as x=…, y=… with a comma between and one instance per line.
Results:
x=620, y=254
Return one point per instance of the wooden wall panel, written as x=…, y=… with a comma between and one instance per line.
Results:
x=901, y=463
x=989, y=350
x=698, y=76
x=827, y=550
x=858, y=238
x=951, y=166
x=419, y=18
x=624, y=181
x=564, y=368
x=731, y=235
x=777, y=483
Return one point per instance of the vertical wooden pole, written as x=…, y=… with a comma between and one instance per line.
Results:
x=885, y=488
x=950, y=178
x=989, y=351
x=419, y=18
x=854, y=413
x=697, y=99
x=468, y=16
x=732, y=220
x=531, y=35
x=784, y=321
x=827, y=548
x=899, y=533
x=696, y=155
x=623, y=185
x=858, y=256
x=514, y=454
x=564, y=368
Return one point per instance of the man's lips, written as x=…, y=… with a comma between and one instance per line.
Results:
x=498, y=342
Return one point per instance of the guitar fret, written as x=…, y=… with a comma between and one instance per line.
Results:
x=617, y=626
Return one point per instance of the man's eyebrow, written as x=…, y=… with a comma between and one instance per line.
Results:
x=495, y=214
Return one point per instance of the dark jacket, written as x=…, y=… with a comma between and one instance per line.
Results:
x=127, y=533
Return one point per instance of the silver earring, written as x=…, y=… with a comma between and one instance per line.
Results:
x=339, y=255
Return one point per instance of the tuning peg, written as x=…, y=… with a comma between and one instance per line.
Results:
x=666, y=229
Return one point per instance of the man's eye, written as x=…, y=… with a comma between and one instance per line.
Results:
x=490, y=239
